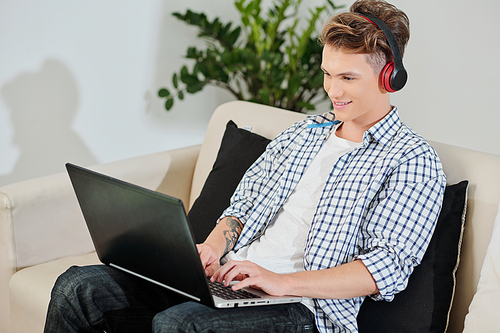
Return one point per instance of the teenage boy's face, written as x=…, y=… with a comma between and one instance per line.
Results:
x=353, y=88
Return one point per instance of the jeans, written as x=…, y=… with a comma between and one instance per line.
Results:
x=103, y=299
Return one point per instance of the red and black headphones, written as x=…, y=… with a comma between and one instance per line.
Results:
x=393, y=75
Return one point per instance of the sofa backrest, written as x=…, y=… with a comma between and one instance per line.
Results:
x=482, y=170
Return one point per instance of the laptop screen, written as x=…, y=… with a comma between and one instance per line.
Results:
x=143, y=231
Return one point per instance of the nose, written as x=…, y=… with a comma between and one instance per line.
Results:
x=333, y=88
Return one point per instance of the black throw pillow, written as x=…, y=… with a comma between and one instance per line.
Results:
x=425, y=304
x=238, y=150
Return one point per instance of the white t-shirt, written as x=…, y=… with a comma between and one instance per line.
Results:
x=281, y=248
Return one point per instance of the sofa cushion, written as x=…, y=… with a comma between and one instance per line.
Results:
x=485, y=306
x=238, y=150
x=425, y=304
x=30, y=290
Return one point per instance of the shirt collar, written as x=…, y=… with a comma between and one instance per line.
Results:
x=324, y=118
x=384, y=131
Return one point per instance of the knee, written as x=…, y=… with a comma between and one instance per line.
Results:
x=64, y=298
x=71, y=284
x=170, y=320
x=185, y=317
x=66, y=282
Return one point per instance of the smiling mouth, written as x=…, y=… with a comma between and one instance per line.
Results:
x=341, y=103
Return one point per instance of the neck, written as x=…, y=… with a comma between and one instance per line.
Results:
x=354, y=135
x=354, y=130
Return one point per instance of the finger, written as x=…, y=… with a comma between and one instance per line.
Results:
x=211, y=269
x=202, y=248
x=219, y=273
x=207, y=256
x=235, y=273
x=240, y=277
x=240, y=270
x=248, y=282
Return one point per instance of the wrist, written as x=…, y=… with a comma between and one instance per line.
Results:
x=224, y=236
x=292, y=284
x=213, y=245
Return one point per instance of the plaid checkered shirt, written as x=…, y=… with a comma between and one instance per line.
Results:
x=380, y=204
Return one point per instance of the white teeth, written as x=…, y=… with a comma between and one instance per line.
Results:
x=337, y=103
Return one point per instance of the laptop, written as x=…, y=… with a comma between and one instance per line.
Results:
x=147, y=234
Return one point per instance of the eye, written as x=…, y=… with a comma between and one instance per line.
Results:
x=348, y=78
x=326, y=73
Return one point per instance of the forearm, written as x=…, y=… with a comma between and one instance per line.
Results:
x=224, y=236
x=342, y=282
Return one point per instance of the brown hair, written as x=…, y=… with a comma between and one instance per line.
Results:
x=355, y=34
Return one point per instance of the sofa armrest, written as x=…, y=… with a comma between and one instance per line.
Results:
x=40, y=219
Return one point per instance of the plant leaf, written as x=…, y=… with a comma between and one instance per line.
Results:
x=175, y=81
x=169, y=103
x=163, y=92
x=293, y=85
x=306, y=105
x=269, y=56
x=264, y=96
x=187, y=78
x=193, y=88
x=233, y=36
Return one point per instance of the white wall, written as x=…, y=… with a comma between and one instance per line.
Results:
x=454, y=70
x=78, y=79
x=78, y=82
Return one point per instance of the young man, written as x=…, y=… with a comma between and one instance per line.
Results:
x=340, y=206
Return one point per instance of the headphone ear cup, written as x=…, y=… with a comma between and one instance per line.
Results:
x=386, y=77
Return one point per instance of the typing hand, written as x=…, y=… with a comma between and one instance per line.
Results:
x=209, y=259
x=252, y=275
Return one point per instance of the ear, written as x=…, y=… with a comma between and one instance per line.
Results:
x=381, y=87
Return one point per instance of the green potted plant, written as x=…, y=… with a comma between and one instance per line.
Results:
x=273, y=59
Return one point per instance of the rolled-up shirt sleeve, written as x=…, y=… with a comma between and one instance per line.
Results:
x=400, y=224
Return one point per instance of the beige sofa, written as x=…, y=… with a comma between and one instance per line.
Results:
x=42, y=231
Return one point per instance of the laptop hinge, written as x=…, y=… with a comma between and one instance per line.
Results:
x=156, y=282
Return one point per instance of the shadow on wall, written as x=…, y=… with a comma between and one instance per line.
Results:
x=43, y=105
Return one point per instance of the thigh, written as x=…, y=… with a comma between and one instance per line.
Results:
x=195, y=317
x=104, y=297
x=140, y=301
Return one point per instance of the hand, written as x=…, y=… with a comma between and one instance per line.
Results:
x=220, y=241
x=251, y=275
x=209, y=259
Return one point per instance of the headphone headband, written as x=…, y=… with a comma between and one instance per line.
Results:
x=398, y=76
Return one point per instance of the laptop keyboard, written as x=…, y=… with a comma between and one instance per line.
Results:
x=218, y=289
